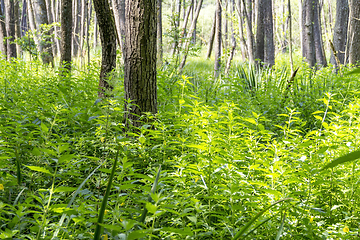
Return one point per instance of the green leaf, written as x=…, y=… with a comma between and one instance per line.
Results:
x=343, y=159
x=184, y=231
x=151, y=207
x=138, y=234
x=64, y=189
x=116, y=228
x=65, y=158
x=355, y=71
x=39, y=169
x=44, y=129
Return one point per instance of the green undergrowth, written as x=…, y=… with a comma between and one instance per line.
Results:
x=240, y=157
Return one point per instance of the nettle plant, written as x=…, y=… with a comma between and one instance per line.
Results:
x=242, y=157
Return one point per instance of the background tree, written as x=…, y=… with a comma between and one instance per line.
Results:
x=45, y=47
x=354, y=33
x=108, y=43
x=265, y=48
x=312, y=46
x=140, y=60
x=218, y=39
x=10, y=27
x=3, y=33
x=340, y=31
x=66, y=31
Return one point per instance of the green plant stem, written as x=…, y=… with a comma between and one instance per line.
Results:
x=99, y=229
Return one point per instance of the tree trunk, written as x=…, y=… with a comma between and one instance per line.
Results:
x=354, y=50
x=24, y=19
x=45, y=45
x=159, y=31
x=218, y=40
x=75, y=36
x=10, y=27
x=269, y=53
x=95, y=41
x=260, y=33
x=119, y=15
x=212, y=36
x=340, y=31
x=250, y=35
x=319, y=46
x=3, y=34
x=32, y=24
x=189, y=34
x=17, y=26
x=56, y=28
x=65, y=34
x=232, y=39
x=308, y=46
x=108, y=42
x=140, y=60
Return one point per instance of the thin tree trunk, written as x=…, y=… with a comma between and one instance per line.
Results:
x=308, y=46
x=159, y=32
x=3, y=34
x=250, y=35
x=75, y=36
x=56, y=28
x=319, y=46
x=24, y=17
x=32, y=24
x=17, y=26
x=65, y=34
x=45, y=45
x=354, y=49
x=218, y=34
x=232, y=39
x=260, y=34
x=95, y=32
x=140, y=61
x=269, y=54
x=211, y=40
x=10, y=27
x=290, y=38
x=108, y=42
x=340, y=31
x=189, y=34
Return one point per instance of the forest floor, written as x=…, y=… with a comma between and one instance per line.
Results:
x=251, y=155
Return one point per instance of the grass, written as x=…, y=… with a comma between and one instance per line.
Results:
x=248, y=156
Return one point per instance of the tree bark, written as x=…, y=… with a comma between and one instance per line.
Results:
x=10, y=27
x=269, y=34
x=3, y=34
x=218, y=34
x=319, y=46
x=189, y=34
x=159, y=31
x=108, y=42
x=140, y=60
x=45, y=44
x=232, y=39
x=211, y=40
x=17, y=26
x=65, y=34
x=354, y=50
x=340, y=31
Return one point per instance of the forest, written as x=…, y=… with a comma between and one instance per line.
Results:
x=179, y=119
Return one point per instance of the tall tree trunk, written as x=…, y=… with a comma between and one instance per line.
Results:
x=159, y=31
x=75, y=36
x=340, y=31
x=354, y=35
x=3, y=34
x=308, y=46
x=218, y=34
x=56, y=28
x=24, y=19
x=65, y=34
x=211, y=40
x=319, y=46
x=186, y=44
x=232, y=39
x=260, y=33
x=290, y=37
x=140, y=60
x=269, y=34
x=45, y=45
x=50, y=21
x=10, y=27
x=108, y=42
x=32, y=24
x=17, y=26
x=119, y=15
x=250, y=35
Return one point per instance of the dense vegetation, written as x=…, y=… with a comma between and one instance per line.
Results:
x=218, y=153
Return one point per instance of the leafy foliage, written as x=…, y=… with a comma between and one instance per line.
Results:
x=248, y=156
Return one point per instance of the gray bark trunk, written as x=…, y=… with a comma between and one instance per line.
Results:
x=218, y=34
x=354, y=35
x=3, y=34
x=211, y=40
x=10, y=27
x=308, y=46
x=66, y=32
x=340, y=31
x=140, y=61
x=108, y=42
